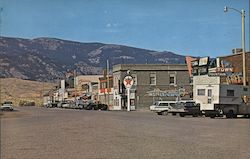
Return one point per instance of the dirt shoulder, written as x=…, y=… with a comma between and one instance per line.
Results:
x=13, y=114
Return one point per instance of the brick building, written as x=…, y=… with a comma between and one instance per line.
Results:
x=236, y=61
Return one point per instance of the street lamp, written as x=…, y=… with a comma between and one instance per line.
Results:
x=242, y=12
x=1, y=9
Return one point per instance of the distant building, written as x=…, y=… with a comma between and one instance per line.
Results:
x=83, y=85
x=152, y=82
x=105, y=93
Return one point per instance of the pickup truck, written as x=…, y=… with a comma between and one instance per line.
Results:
x=7, y=106
x=232, y=110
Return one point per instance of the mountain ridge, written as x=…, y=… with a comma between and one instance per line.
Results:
x=45, y=59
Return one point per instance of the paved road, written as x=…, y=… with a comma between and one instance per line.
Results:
x=40, y=133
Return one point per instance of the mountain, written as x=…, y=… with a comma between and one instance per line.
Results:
x=45, y=59
x=21, y=91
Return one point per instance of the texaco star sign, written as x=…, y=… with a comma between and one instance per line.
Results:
x=128, y=81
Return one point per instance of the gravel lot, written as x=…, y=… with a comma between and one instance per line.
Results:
x=40, y=133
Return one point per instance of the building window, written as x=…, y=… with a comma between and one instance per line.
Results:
x=172, y=80
x=230, y=93
x=134, y=78
x=209, y=100
x=152, y=79
x=209, y=92
x=103, y=85
x=195, y=71
x=203, y=70
x=201, y=92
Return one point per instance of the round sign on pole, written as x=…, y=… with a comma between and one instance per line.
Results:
x=128, y=82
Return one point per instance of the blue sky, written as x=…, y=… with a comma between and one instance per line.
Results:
x=187, y=27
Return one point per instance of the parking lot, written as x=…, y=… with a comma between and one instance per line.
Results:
x=33, y=133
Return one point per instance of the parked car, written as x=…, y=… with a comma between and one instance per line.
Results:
x=7, y=106
x=66, y=104
x=90, y=106
x=162, y=105
x=79, y=104
x=191, y=108
x=51, y=105
x=99, y=106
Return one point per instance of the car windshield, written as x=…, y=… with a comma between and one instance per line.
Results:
x=190, y=104
x=163, y=104
x=7, y=102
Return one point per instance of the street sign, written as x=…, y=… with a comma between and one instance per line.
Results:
x=128, y=81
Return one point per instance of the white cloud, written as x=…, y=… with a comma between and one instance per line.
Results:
x=108, y=25
x=113, y=25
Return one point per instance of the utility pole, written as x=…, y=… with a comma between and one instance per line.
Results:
x=1, y=9
x=74, y=57
x=243, y=46
x=242, y=13
x=108, y=81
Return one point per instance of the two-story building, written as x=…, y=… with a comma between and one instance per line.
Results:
x=105, y=93
x=151, y=82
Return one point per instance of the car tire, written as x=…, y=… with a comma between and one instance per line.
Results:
x=182, y=115
x=230, y=114
x=159, y=113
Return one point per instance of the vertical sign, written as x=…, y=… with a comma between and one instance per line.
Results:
x=128, y=83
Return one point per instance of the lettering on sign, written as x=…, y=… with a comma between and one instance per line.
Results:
x=221, y=69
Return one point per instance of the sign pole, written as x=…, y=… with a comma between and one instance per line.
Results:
x=128, y=99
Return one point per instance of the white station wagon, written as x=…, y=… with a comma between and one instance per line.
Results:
x=162, y=105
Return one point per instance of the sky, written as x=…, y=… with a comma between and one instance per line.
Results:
x=186, y=27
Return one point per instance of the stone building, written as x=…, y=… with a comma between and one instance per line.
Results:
x=151, y=82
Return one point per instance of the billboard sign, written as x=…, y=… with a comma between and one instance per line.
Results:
x=203, y=61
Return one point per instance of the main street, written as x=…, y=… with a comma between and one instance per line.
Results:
x=40, y=133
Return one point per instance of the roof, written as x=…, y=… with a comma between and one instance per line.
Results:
x=150, y=67
x=88, y=78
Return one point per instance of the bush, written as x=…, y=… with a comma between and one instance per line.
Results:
x=27, y=103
